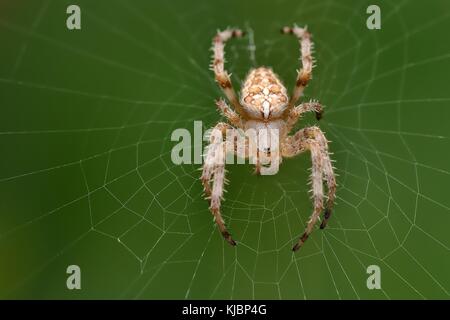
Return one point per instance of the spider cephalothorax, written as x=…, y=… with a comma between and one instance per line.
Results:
x=264, y=106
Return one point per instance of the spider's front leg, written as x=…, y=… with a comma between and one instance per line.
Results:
x=304, y=75
x=218, y=65
x=313, y=139
x=213, y=175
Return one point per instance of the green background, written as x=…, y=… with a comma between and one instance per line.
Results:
x=86, y=176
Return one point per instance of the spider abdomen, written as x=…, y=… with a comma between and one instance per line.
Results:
x=263, y=95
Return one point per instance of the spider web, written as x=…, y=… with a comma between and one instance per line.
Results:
x=87, y=179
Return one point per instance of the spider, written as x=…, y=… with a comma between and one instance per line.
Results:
x=264, y=104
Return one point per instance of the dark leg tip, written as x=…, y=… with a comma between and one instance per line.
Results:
x=319, y=115
x=231, y=241
x=302, y=240
x=228, y=237
x=325, y=220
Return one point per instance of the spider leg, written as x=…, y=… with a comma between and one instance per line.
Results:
x=313, y=139
x=303, y=75
x=229, y=113
x=217, y=65
x=327, y=172
x=216, y=197
x=215, y=139
x=213, y=176
x=317, y=189
x=294, y=114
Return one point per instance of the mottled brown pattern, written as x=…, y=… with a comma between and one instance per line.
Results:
x=262, y=84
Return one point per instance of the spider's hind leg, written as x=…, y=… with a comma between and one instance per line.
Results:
x=313, y=139
x=213, y=175
x=328, y=172
x=317, y=189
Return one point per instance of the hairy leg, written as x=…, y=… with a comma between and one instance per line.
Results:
x=212, y=156
x=229, y=113
x=213, y=175
x=317, y=189
x=328, y=171
x=294, y=114
x=304, y=75
x=217, y=65
x=313, y=139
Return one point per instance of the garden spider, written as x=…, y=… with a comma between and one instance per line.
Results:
x=264, y=104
